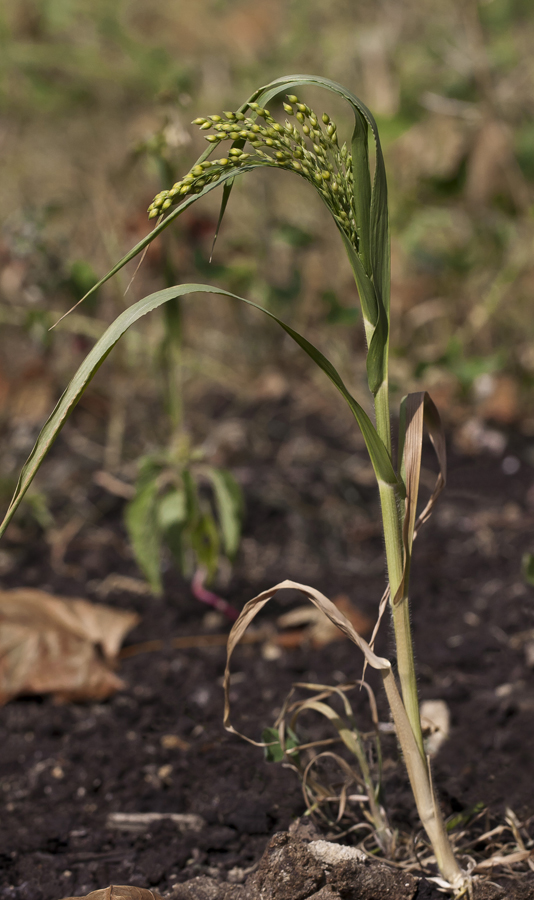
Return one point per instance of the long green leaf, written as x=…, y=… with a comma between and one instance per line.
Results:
x=362, y=188
x=227, y=178
x=366, y=290
x=380, y=457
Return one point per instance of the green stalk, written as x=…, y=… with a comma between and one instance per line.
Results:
x=394, y=555
x=423, y=791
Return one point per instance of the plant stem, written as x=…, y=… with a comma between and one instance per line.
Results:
x=391, y=519
x=421, y=782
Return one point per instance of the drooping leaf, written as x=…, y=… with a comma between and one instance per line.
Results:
x=377, y=216
x=229, y=503
x=253, y=607
x=141, y=518
x=172, y=509
x=378, y=453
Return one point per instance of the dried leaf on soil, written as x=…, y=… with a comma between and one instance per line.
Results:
x=67, y=647
x=119, y=892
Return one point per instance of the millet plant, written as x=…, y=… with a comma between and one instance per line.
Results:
x=308, y=146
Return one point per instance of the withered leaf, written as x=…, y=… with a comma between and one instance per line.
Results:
x=119, y=892
x=58, y=645
x=317, y=627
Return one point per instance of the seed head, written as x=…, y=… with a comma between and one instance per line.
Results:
x=309, y=147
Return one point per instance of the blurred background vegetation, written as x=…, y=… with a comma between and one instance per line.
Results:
x=96, y=100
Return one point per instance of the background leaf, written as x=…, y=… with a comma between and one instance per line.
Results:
x=141, y=518
x=229, y=503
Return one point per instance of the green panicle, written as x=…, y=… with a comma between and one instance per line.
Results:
x=326, y=166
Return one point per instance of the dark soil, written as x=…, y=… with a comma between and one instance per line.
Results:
x=66, y=768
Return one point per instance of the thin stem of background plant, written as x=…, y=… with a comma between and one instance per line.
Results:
x=308, y=146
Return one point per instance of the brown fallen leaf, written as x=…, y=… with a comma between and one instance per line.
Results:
x=318, y=629
x=119, y=892
x=66, y=647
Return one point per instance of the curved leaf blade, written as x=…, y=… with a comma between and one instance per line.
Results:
x=373, y=221
x=378, y=453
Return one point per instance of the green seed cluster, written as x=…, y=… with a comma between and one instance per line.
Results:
x=311, y=150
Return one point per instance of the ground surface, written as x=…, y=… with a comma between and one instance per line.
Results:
x=66, y=768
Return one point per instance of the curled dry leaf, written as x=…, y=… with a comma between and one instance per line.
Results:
x=119, y=892
x=314, y=626
x=57, y=645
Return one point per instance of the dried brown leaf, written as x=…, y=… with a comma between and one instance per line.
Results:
x=119, y=892
x=336, y=616
x=58, y=645
x=320, y=630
